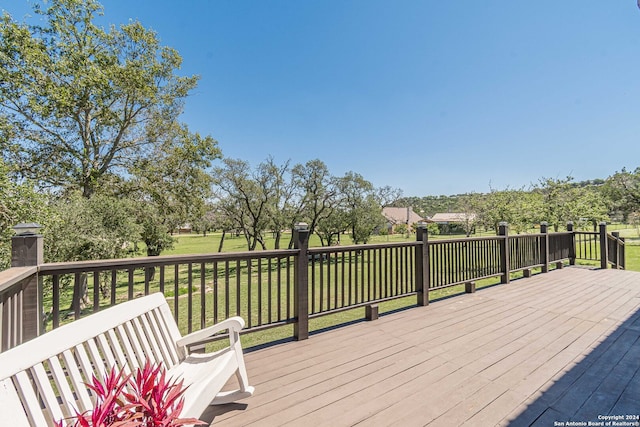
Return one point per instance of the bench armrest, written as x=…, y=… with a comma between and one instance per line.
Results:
x=233, y=324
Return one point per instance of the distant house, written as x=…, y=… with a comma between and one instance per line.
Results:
x=184, y=229
x=397, y=216
x=454, y=222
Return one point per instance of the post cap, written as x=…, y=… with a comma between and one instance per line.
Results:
x=301, y=226
x=503, y=223
x=544, y=223
x=27, y=229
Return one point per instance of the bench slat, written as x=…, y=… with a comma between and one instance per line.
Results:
x=151, y=337
x=128, y=350
x=66, y=394
x=170, y=324
x=147, y=351
x=97, y=364
x=107, y=354
x=84, y=401
x=116, y=347
x=10, y=406
x=85, y=363
x=161, y=339
x=135, y=342
x=167, y=335
x=46, y=392
x=28, y=395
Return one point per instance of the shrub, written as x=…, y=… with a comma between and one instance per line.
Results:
x=146, y=399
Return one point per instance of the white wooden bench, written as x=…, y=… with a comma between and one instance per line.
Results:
x=44, y=379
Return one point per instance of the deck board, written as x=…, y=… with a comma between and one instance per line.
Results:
x=562, y=346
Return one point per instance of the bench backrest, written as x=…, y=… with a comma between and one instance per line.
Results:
x=43, y=379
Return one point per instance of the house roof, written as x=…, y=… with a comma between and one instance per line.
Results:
x=400, y=215
x=452, y=217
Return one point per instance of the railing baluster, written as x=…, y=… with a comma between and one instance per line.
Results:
x=203, y=296
x=190, y=297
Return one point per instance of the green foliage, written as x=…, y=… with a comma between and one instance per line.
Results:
x=100, y=227
x=77, y=100
x=623, y=191
x=172, y=185
x=563, y=201
x=361, y=206
x=19, y=202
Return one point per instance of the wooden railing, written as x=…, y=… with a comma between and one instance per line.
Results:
x=274, y=288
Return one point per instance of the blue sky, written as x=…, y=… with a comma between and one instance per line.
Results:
x=433, y=97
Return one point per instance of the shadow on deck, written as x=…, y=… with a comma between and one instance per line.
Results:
x=551, y=349
x=603, y=386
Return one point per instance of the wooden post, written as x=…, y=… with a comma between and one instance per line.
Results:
x=27, y=250
x=470, y=287
x=301, y=300
x=616, y=252
x=371, y=312
x=603, y=245
x=544, y=246
x=572, y=245
x=503, y=230
x=422, y=266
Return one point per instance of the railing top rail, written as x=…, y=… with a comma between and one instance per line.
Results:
x=592, y=233
x=59, y=267
x=347, y=248
x=466, y=239
x=14, y=275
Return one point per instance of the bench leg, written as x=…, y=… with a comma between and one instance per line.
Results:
x=225, y=397
x=245, y=389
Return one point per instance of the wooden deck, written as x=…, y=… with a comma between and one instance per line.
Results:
x=556, y=347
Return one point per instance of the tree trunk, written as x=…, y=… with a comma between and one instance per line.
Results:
x=80, y=295
x=221, y=241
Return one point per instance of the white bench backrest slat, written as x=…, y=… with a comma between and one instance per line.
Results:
x=150, y=337
x=97, y=364
x=83, y=361
x=164, y=326
x=135, y=342
x=84, y=401
x=46, y=392
x=10, y=406
x=28, y=395
x=69, y=405
x=116, y=347
x=106, y=354
x=128, y=350
x=160, y=339
x=171, y=328
x=146, y=348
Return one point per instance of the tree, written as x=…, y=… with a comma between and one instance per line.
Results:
x=284, y=204
x=519, y=208
x=172, y=186
x=362, y=208
x=80, y=228
x=244, y=197
x=623, y=191
x=319, y=193
x=564, y=201
x=76, y=100
x=19, y=202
